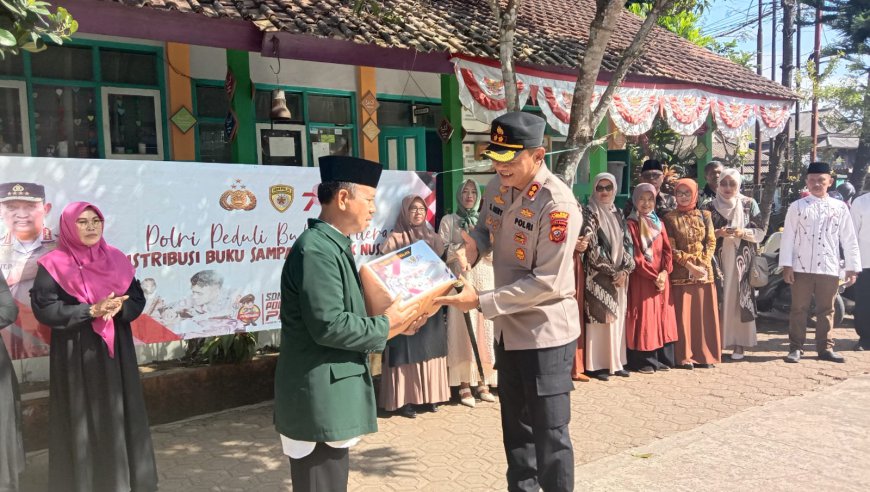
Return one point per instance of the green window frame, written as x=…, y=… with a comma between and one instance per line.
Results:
x=101, y=89
x=310, y=127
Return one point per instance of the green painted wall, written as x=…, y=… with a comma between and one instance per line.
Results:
x=245, y=143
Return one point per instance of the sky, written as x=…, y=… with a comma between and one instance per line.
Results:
x=738, y=19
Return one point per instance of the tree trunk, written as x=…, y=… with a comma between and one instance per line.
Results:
x=584, y=119
x=781, y=143
x=507, y=29
x=862, y=156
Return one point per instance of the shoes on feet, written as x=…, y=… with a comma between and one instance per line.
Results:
x=831, y=356
x=646, y=370
x=466, y=398
x=602, y=375
x=432, y=407
x=737, y=355
x=705, y=366
x=622, y=373
x=687, y=365
x=484, y=394
x=580, y=377
x=793, y=357
x=663, y=368
x=859, y=347
x=407, y=411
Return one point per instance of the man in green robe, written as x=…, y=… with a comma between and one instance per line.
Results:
x=324, y=397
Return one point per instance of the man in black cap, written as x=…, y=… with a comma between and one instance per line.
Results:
x=653, y=173
x=533, y=220
x=324, y=397
x=23, y=209
x=816, y=227
x=712, y=171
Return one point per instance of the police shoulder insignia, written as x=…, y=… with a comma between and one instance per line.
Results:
x=520, y=238
x=533, y=190
x=520, y=254
x=558, y=226
x=527, y=213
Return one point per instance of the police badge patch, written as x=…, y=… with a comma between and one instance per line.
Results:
x=520, y=254
x=281, y=197
x=558, y=226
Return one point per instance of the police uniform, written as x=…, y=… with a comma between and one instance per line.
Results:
x=18, y=262
x=533, y=309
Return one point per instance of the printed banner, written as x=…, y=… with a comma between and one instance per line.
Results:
x=208, y=240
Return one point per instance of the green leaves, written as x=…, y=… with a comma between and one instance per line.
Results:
x=24, y=24
x=236, y=348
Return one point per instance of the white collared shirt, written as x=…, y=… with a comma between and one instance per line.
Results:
x=861, y=220
x=300, y=449
x=815, y=229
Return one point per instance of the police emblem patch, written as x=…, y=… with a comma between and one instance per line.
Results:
x=520, y=254
x=533, y=190
x=502, y=189
x=558, y=226
x=498, y=199
x=281, y=197
x=520, y=238
x=527, y=213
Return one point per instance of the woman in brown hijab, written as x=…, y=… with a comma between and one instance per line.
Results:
x=693, y=242
x=415, y=366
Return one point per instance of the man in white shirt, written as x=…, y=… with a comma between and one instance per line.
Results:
x=861, y=220
x=816, y=227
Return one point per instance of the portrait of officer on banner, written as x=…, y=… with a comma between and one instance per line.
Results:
x=24, y=238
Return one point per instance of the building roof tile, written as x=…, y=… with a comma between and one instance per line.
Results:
x=550, y=34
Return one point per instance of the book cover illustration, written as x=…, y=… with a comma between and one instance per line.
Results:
x=411, y=271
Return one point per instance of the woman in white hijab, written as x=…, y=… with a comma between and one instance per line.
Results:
x=736, y=219
x=608, y=262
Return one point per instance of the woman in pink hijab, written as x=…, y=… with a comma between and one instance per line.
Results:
x=86, y=291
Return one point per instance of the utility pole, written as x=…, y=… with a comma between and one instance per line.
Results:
x=788, y=31
x=797, y=64
x=772, y=62
x=758, y=61
x=817, y=56
x=773, y=40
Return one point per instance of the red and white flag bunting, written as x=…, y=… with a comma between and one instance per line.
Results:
x=632, y=109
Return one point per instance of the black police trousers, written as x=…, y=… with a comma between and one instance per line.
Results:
x=534, y=388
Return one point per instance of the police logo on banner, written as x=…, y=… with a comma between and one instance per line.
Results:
x=281, y=197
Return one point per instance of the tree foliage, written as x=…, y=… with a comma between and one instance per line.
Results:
x=25, y=23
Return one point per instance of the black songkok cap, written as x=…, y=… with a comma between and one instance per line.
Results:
x=17, y=190
x=513, y=132
x=651, y=165
x=350, y=170
x=819, y=168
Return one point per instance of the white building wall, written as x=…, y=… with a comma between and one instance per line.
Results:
x=410, y=84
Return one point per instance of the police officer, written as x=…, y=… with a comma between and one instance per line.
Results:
x=23, y=209
x=529, y=221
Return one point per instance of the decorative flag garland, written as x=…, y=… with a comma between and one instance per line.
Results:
x=632, y=109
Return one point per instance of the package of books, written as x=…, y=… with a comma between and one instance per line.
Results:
x=414, y=273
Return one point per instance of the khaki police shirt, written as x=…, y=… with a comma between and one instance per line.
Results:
x=533, y=236
x=19, y=263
